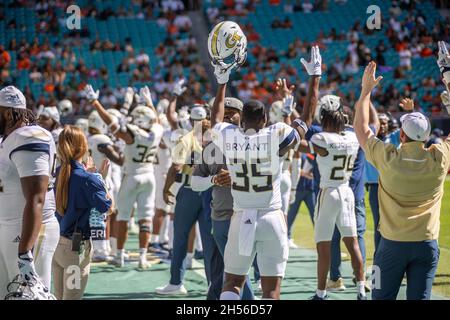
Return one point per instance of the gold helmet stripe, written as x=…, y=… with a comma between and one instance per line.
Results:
x=214, y=39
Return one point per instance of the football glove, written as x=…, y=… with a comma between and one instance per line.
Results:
x=128, y=98
x=443, y=60
x=445, y=98
x=222, y=71
x=90, y=94
x=179, y=88
x=288, y=105
x=314, y=67
x=26, y=266
x=145, y=96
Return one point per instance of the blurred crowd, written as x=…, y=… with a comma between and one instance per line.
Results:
x=406, y=31
x=63, y=73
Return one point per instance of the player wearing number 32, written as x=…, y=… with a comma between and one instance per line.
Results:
x=142, y=138
x=28, y=228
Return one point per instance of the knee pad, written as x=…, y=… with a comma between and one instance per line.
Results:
x=145, y=227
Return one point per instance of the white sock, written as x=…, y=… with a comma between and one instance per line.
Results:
x=142, y=252
x=360, y=286
x=171, y=234
x=190, y=255
x=321, y=293
x=163, y=232
x=229, y=295
x=120, y=253
x=113, y=242
x=198, y=238
x=131, y=222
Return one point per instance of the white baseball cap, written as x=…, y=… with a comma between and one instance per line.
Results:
x=198, y=112
x=11, y=97
x=416, y=126
x=51, y=112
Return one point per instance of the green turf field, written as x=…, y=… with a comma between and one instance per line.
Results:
x=107, y=282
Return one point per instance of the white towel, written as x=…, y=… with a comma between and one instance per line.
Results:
x=247, y=231
x=347, y=209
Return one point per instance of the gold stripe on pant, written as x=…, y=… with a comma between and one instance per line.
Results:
x=70, y=270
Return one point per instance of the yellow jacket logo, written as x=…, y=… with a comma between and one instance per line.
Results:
x=232, y=40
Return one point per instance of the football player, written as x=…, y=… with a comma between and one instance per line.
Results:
x=29, y=231
x=142, y=138
x=254, y=157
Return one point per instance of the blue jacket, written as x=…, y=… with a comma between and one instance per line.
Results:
x=86, y=192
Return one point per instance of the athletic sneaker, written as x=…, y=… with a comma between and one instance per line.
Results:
x=366, y=285
x=361, y=297
x=337, y=285
x=292, y=244
x=118, y=262
x=316, y=297
x=143, y=263
x=156, y=249
x=101, y=257
x=171, y=289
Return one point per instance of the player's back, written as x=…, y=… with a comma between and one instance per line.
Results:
x=140, y=155
x=254, y=163
x=336, y=167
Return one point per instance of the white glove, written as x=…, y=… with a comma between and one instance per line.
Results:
x=179, y=88
x=26, y=266
x=288, y=105
x=443, y=60
x=314, y=67
x=222, y=71
x=445, y=98
x=128, y=98
x=90, y=94
x=145, y=96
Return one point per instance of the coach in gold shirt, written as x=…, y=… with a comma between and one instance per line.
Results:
x=410, y=191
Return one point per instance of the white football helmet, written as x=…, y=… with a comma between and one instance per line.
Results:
x=143, y=117
x=162, y=106
x=275, y=113
x=65, y=107
x=97, y=123
x=115, y=114
x=83, y=124
x=329, y=102
x=22, y=289
x=227, y=44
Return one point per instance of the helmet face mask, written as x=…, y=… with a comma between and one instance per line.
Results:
x=21, y=289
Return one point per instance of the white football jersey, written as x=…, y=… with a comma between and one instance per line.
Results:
x=163, y=159
x=56, y=133
x=140, y=155
x=336, y=167
x=27, y=151
x=254, y=164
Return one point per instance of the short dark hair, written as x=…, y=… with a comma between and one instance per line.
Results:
x=254, y=110
x=334, y=120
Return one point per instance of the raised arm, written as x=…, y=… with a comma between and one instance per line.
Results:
x=362, y=113
x=222, y=73
x=113, y=126
x=314, y=70
x=171, y=113
x=373, y=118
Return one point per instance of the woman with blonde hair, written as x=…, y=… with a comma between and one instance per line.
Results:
x=81, y=202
